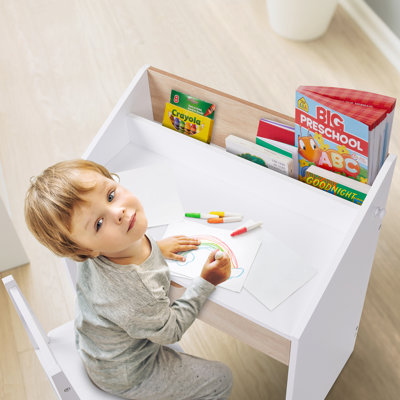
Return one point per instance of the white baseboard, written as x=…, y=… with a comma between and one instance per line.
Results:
x=373, y=26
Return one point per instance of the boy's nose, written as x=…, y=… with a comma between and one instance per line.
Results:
x=119, y=214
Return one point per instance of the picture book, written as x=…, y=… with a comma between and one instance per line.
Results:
x=337, y=184
x=337, y=135
x=193, y=104
x=284, y=149
x=187, y=122
x=365, y=99
x=273, y=130
x=259, y=155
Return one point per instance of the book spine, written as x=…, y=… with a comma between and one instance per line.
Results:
x=275, y=131
x=271, y=147
x=259, y=155
x=335, y=188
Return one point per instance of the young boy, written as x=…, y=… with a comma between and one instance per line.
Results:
x=124, y=316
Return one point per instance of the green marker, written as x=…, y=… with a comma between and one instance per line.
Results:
x=199, y=215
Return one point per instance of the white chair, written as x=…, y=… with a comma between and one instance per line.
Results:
x=56, y=352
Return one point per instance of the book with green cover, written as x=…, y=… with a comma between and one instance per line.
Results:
x=273, y=147
x=282, y=148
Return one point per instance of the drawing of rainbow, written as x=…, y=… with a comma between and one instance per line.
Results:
x=209, y=242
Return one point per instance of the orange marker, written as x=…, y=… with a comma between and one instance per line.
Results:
x=221, y=220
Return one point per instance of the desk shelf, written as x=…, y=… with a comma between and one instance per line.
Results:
x=336, y=236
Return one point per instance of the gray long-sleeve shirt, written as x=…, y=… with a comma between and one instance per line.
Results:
x=124, y=315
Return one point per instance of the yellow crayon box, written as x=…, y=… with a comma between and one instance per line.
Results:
x=188, y=122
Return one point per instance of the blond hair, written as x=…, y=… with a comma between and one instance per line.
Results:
x=49, y=204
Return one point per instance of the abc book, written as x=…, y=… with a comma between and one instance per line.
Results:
x=334, y=135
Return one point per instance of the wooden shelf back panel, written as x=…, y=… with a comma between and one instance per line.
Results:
x=232, y=115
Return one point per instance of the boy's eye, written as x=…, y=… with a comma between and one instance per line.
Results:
x=111, y=196
x=99, y=224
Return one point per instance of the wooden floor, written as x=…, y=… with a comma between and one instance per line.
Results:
x=63, y=66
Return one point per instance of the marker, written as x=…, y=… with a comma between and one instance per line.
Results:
x=218, y=255
x=199, y=215
x=221, y=220
x=247, y=227
x=225, y=214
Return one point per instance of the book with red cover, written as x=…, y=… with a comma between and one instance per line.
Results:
x=353, y=96
x=268, y=129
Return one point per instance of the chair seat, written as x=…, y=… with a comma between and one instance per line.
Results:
x=62, y=345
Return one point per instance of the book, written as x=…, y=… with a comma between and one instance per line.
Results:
x=187, y=122
x=259, y=155
x=339, y=135
x=337, y=184
x=282, y=148
x=368, y=100
x=193, y=104
x=273, y=130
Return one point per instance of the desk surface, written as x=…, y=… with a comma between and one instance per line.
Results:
x=65, y=64
x=303, y=226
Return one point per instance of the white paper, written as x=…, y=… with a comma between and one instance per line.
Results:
x=156, y=189
x=241, y=250
x=279, y=276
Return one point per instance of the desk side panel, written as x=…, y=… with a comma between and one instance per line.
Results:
x=328, y=339
x=113, y=135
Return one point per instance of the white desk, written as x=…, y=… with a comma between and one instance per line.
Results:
x=313, y=331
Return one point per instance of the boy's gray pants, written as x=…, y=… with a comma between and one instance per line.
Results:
x=179, y=376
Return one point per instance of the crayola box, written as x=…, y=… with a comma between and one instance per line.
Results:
x=187, y=122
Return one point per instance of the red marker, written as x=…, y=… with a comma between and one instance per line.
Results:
x=247, y=227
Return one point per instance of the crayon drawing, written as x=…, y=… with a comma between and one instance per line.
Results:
x=208, y=244
x=241, y=251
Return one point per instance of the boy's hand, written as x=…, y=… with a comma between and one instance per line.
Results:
x=175, y=244
x=216, y=271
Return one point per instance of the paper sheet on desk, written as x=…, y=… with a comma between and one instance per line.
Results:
x=154, y=186
x=282, y=273
x=241, y=250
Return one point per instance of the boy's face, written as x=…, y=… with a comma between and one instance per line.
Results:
x=111, y=221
